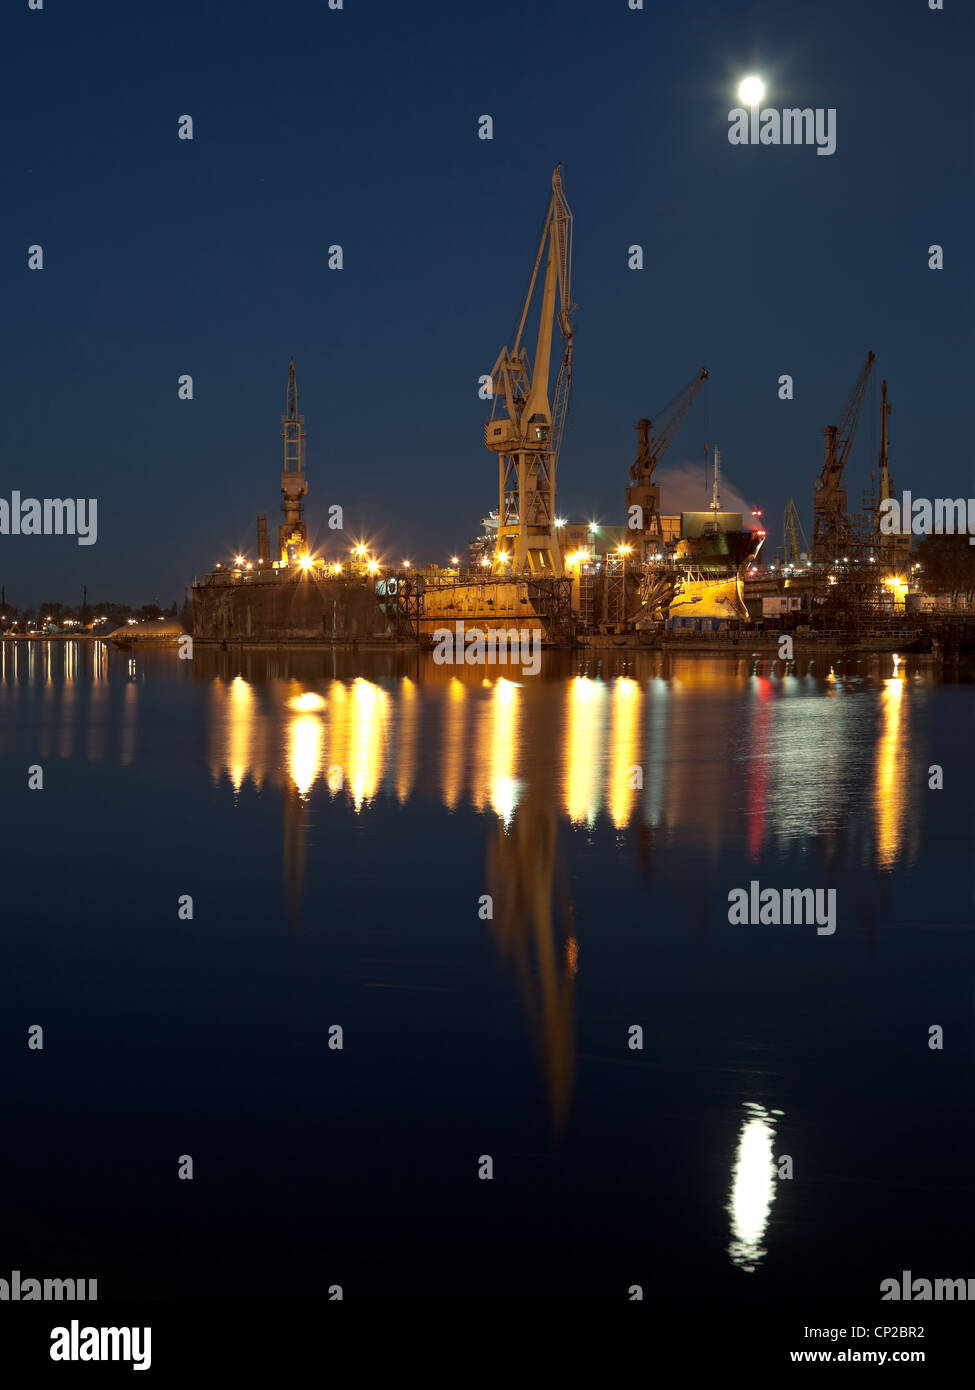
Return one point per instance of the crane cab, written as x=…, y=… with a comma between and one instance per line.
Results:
x=504, y=436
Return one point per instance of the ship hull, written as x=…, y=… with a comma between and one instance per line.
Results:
x=709, y=598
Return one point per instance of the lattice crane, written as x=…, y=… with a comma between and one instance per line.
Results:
x=831, y=529
x=653, y=443
x=527, y=436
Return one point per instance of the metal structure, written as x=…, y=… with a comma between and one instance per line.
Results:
x=615, y=604
x=401, y=599
x=886, y=481
x=892, y=551
x=643, y=492
x=831, y=531
x=404, y=601
x=527, y=437
x=715, y=507
x=793, y=533
x=263, y=558
x=292, y=534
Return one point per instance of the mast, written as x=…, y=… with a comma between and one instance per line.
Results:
x=292, y=532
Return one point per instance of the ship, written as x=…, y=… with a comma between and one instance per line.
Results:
x=700, y=595
x=711, y=559
x=161, y=632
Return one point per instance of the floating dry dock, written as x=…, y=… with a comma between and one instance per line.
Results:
x=287, y=604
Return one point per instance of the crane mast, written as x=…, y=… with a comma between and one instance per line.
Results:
x=643, y=492
x=292, y=533
x=794, y=537
x=831, y=528
x=893, y=551
x=886, y=481
x=527, y=436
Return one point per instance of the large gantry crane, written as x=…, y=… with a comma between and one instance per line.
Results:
x=831, y=532
x=527, y=437
x=643, y=492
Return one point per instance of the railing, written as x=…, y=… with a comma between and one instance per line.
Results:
x=842, y=636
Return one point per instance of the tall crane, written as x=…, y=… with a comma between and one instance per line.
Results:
x=886, y=481
x=893, y=551
x=830, y=528
x=292, y=533
x=794, y=537
x=643, y=492
x=527, y=437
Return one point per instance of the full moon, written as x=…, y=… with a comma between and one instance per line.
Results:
x=751, y=90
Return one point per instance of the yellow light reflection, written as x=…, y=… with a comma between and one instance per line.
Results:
x=306, y=702
x=305, y=743
x=240, y=730
x=584, y=749
x=503, y=787
x=890, y=799
x=407, y=730
x=362, y=730
x=624, y=749
x=455, y=722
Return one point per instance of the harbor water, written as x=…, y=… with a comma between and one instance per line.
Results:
x=432, y=972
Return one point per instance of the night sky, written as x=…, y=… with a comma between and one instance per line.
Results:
x=359, y=127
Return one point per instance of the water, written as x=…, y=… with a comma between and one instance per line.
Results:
x=338, y=821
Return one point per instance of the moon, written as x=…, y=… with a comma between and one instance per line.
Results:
x=751, y=90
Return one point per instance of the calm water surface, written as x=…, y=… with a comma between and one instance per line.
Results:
x=338, y=821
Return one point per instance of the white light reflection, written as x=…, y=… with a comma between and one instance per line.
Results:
x=753, y=1187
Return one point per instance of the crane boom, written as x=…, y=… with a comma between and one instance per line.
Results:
x=839, y=438
x=652, y=447
x=643, y=494
x=794, y=537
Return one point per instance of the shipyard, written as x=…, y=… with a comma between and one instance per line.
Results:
x=487, y=637
x=657, y=578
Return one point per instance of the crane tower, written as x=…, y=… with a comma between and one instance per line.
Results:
x=524, y=430
x=292, y=533
x=655, y=438
x=831, y=528
x=894, y=551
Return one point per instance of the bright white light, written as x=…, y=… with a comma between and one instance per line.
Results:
x=753, y=1187
x=751, y=90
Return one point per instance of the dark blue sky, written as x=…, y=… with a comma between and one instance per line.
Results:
x=359, y=127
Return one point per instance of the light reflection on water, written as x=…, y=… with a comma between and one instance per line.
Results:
x=690, y=751
x=788, y=758
x=753, y=1187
